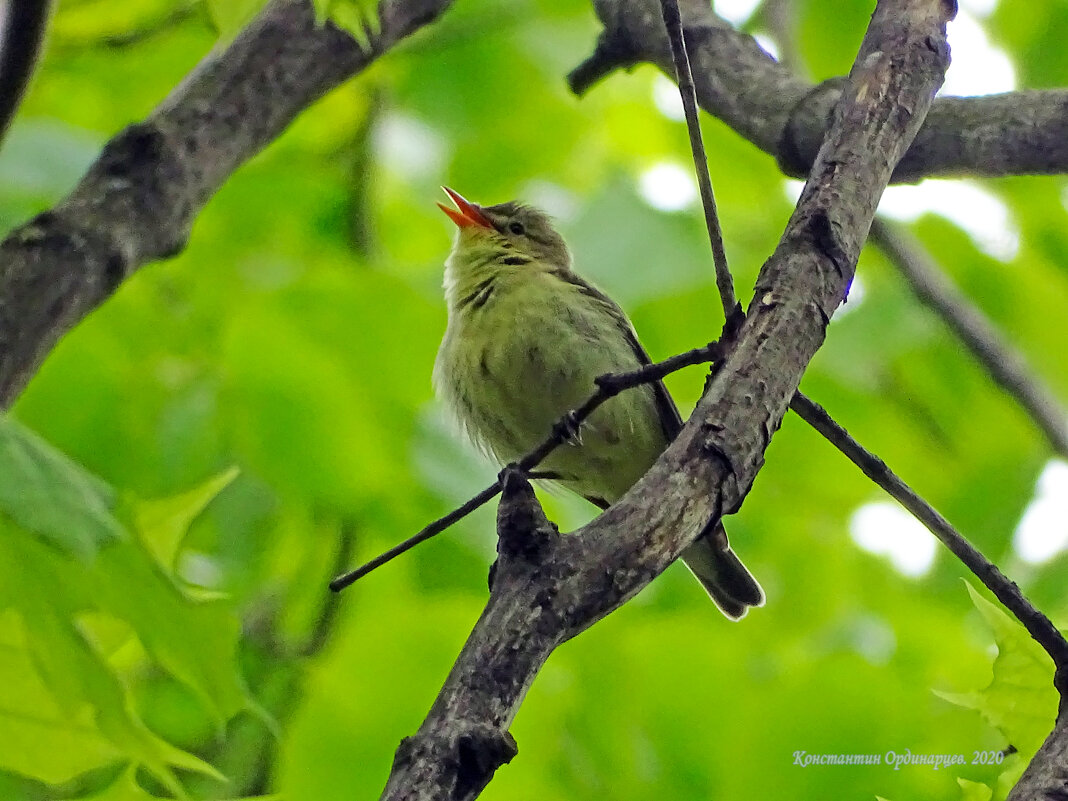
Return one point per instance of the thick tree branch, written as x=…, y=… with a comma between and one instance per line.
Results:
x=555, y=587
x=1046, y=777
x=1006, y=365
x=138, y=201
x=737, y=82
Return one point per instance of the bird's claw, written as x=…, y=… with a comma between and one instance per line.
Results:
x=569, y=429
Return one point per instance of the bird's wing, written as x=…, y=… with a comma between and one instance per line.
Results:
x=668, y=413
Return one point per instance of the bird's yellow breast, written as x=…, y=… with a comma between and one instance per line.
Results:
x=523, y=350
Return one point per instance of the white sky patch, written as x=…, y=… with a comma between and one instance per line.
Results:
x=977, y=211
x=980, y=8
x=888, y=530
x=1043, y=529
x=409, y=147
x=768, y=44
x=736, y=11
x=791, y=189
x=978, y=67
x=666, y=99
x=668, y=187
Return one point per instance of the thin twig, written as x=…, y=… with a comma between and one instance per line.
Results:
x=608, y=386
x=439, y=525
x=684, y=77
x=1005, y=364
x=1006, y=591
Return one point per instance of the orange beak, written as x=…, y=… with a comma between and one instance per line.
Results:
x=469, y=214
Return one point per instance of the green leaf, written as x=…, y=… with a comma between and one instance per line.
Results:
x=38, y=736
x=65, y=618
x=65, y=674
x=47, y=494
x=357, y=17
x=1020, y=700
x=974, y=791
x=126, y=788
x=162, y=523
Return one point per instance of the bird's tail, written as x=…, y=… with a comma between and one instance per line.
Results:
x=728, y=582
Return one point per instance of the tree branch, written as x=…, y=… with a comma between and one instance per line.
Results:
x=684, y=78
x=138, y=201
x=785, y=116
x=1037, y=624
x=1006, y=365
x=549, y=588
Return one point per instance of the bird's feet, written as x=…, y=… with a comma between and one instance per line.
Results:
x=569, y=429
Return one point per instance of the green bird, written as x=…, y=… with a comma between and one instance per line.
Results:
x=525, y=339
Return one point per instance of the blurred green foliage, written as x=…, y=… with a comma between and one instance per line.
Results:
x=234, y=426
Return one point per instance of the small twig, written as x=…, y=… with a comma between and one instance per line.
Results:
x=1006, y=365
x=1006, y=591
x=608, y=386
x=439, y=525
x=610, y=54
x=684, y=77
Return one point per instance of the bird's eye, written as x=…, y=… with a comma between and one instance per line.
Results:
x=516, y=228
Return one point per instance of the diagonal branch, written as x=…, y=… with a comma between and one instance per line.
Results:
x=138, y=201
x=1005, y=364
x=549, y=588
x=1037, y=624
x=786, y=116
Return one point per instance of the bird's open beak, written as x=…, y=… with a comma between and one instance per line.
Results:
x=469, y=214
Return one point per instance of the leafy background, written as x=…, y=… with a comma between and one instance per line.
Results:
x=197, y=458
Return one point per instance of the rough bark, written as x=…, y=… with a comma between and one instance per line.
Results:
x=1046, y=777
x=786, y=116
x=138, y=201
x=549, y=588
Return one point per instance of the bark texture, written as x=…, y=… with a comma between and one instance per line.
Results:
x=138, y=201
x=1046, y=777
x=786, y=116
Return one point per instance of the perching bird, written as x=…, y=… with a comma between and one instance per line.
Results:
x=526, y=337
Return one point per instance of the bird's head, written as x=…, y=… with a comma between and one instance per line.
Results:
x=505, y=231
